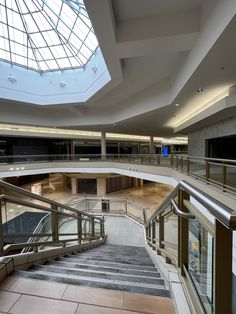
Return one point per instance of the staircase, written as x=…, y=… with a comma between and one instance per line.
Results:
x=114, y=267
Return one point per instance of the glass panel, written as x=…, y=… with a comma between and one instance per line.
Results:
x=19, y=220
x=200, y=263
x=46, y=24
x=197, y=167
x=171, y=229
x=231, y=176
x=216, y=172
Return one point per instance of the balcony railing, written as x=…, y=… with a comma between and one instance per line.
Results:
x=218, y=172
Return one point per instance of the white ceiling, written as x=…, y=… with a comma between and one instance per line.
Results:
x=158, y=53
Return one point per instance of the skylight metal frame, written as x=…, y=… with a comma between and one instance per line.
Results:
x=72, y=39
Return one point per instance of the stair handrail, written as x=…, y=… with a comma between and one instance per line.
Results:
x=220, y=211
x=164, y=205
x=22, y=191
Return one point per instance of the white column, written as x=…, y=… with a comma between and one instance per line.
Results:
x=103, y=145
x=140, y=182
x=135, y=182
x=101, y=187
x=74, y=186
x=151, y=145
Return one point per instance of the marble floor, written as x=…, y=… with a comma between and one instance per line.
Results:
x=149, y=196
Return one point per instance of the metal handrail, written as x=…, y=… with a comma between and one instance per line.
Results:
x=220, y=211
x=164, y=205
x=16, y=189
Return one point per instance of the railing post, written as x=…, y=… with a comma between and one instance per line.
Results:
x=79, y=227
x=102, y=227
x=161, y=232
x=183, y=233
x=207, y=170
x=1, y=231
x=153, y=239
x=54, y=223
x=92, y=227
x=126, y=206
x=224, y=175
x=223, y=269
x=188, y=166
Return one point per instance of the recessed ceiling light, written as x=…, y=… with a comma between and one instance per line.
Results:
x=114, y=124
x=199, y=90
x=177, y=105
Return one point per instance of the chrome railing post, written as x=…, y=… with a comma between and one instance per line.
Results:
x=54, y=223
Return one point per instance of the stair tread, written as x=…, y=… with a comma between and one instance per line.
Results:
x=100, y=274
x=72, y=257
x=123, y=270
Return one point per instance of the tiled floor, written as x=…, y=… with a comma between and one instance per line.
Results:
x=29, y=296
x=149, y=195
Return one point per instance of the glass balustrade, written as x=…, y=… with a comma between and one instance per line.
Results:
x=201, y=262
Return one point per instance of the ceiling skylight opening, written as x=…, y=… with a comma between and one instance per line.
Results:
x=46, y=35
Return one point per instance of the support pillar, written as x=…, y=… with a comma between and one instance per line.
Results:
x=101, y=187
x=74, y=185
x=152, y=145
x=103, y=145
x=140, y=182
x=135, y=182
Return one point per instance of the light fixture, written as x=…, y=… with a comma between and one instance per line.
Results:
x=11, y=78
x=114, y=124
x=177, y=105
x=199, y=90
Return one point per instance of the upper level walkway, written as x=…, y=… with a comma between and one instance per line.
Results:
x=211, y=175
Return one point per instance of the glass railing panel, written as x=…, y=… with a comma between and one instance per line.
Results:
x=216, y=172
x=230, y=176
x=21, y=220
x=171, y=229
x=197, y=167
x=135, y=211
x=67, y=225
x=200, y=263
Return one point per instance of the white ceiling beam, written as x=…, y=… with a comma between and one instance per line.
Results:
x=175, y=43
x=156, y=26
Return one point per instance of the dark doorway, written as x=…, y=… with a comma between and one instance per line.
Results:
x=87, y=186
x=221, y=147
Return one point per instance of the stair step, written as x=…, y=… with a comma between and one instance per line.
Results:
x=108, y=263
x=141, y=259
x=99, y=274
x=80, y=265
x=131, y=261
x=133, y=287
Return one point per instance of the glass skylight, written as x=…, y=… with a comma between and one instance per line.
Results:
x=46, y=35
